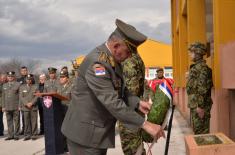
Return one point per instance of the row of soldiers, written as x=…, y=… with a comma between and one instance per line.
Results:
x=19, y=100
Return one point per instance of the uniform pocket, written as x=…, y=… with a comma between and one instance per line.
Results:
x=98, y=131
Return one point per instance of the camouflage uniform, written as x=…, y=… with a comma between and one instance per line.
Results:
x=134, y=74
x=198, y=87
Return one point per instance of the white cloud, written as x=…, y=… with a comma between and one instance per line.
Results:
x=63, y=29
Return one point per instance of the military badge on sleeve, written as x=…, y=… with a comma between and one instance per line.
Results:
x=99, y=70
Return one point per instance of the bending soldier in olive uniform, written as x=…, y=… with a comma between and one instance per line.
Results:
x=3, y=79
x=10, y=105
x=198, y=87
x=134, y=75
x=51, y=84
x=100, y=98
x=29, y=107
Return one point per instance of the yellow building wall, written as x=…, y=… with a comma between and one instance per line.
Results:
x=224, y=32
x=155, y=54
x=189, y=25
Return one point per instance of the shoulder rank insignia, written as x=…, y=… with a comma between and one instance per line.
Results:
x=106, y=58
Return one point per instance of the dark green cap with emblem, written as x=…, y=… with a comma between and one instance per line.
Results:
x=129, y=34
x=29, y=77
x=64, y=74
x=52, y=70
x=11, y=73
x=197, y=47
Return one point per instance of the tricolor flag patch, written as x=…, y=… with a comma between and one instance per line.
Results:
x=99, y=71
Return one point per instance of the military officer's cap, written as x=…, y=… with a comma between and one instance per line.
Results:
x=11, y=73
x=64, y=67
x=64, y=74
x=129, y=34
x=159, y=69
x=52, y=70
x=197, y=47
x=29, y=77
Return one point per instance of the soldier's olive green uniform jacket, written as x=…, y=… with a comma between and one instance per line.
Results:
x=51, y=86
x=98, y=101
x=10, y=96
x=27, y=95
x=65, y=90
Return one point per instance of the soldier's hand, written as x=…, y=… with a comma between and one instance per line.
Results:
x=200, y=112
x=154, y=130
x=144, y=107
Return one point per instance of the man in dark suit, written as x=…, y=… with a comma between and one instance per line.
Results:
x=100, y=97
x=22, y=80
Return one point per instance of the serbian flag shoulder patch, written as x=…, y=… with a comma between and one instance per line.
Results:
x=99, y=70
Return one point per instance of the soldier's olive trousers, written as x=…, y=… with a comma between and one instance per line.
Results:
x=200, y=125
x=76, y=149
x=130, y=140
x=30, y=120
x=13, y=123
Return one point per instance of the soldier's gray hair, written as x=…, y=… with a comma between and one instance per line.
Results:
x=114, y=37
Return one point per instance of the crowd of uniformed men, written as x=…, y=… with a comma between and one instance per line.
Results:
x=18, y=100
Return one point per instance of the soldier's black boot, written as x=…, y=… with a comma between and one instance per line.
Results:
x=9, y=138
x=34, y=137
x=27, y=138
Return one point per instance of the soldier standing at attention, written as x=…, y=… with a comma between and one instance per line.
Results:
x=51, y=84
x=64, y=89
x=29, y=107
x=100, y=97
x=198, y=87
x=10, y=105
x=134, y=75
x=22, y=80
x=3, y=79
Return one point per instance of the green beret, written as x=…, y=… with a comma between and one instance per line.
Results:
x=129, y=34
x=52, y=70
x=197, y=47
